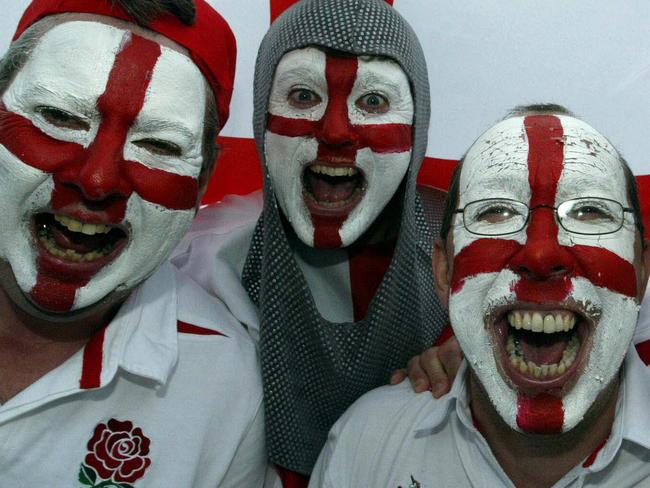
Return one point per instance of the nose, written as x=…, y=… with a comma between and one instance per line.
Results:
x=542, y=257
x=336, y=129
x=99, y=174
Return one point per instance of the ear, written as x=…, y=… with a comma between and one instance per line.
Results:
x=645, y=267
x=441, y=271
x=205, y=176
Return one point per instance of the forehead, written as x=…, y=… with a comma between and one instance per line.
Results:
x=310, y=62
x=497, y=164
x=74, y=59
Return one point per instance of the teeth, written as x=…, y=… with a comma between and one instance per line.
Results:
x=334, y=170
x=76, y=226
x=71, y=254
x=544, y=370
x=549, y=323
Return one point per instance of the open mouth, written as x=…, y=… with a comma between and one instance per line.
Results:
x=332, y=188
x=73, y=241
x=542, y=350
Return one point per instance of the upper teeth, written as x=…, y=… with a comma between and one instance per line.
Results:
x=76, y=226
x=547, y=322
x=334, y=170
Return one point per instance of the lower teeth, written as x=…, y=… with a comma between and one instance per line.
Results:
x=70, y=254
x=545, y=370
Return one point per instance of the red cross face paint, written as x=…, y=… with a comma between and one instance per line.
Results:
x=100, y=152
x=544, y=316
x=338, y=142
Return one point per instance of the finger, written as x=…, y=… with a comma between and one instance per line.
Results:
x=398, y=376
x=417, y=375
x=435, y=371
x=450, y=356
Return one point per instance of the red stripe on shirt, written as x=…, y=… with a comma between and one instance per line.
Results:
x=185, y=328
x=91, y=369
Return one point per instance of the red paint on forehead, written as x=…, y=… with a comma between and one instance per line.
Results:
x=543, y=414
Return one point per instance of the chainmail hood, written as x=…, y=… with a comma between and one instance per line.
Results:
x=314, y=369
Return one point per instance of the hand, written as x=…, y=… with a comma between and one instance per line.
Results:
x=434, y=369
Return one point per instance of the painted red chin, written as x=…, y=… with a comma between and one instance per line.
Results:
x=333, y=188
x=74, y=247
x=541, y=349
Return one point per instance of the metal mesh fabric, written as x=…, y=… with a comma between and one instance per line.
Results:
x=314, y=369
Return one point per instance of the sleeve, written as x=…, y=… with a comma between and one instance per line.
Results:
x=327, y=464
x=249, y=465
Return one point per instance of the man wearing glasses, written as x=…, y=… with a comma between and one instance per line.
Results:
x=542, y=265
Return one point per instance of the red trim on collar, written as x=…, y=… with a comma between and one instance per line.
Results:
x=592, y=457
x=91, y=369
x=185, y=328
x=643, y=349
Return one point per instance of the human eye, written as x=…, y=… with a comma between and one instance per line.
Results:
x=495, y=212
x=159, y=147
x=373, y=103
x=591, y=210
x=62, y=119
x=303, y=98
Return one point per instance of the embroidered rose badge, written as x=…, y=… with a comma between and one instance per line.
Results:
x=117, y=456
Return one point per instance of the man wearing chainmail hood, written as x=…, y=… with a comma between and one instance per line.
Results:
x=334, y=276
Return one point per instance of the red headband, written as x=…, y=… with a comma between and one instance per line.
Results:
x=210, y=41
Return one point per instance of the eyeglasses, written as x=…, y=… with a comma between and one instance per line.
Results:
x=502, y=216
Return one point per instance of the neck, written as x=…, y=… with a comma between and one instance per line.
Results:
x=532, y=460
x=31, y=346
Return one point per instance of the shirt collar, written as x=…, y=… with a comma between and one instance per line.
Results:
x=142, y=338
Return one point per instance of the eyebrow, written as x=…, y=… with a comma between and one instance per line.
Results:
x=301, y=73
x=153, y=125
x=80, y=104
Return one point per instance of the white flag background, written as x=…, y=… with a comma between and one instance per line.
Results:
x=484, y=58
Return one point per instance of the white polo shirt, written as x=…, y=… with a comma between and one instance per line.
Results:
x=394, y=438
x=168, y=395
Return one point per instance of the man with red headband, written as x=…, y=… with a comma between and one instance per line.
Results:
x=543, y=265
x=114, y=369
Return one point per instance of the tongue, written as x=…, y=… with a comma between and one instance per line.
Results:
x=77, y=241
x=543, y=348
x=331, y=189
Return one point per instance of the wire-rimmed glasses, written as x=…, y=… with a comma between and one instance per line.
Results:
x=502, y=216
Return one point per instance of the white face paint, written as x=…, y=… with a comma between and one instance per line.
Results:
x=102, y=131
x=546, y=270
x=338, y=142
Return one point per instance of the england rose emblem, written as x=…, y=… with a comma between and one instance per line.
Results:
x=117, y=456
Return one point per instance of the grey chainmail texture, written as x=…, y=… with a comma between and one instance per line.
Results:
x=314, y=369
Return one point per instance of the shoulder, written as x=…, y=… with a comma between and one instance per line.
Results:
x=211, y=338
x=233, y=212
x=379, y=410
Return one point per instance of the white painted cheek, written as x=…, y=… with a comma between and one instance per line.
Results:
x=384, y=173
x=175, y=99
x=301, y=68
x=156, y=230
x=387, y=79
x=25, y=191
x=467, y=308
x=611, y=340
x=69, y=66
x=285, y=158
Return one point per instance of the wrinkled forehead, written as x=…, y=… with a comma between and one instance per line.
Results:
x=499, y=163
x=80, y=54
x=309, y=64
